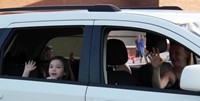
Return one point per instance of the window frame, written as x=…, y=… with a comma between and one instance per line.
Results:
x=87, y=29
x=130, y=25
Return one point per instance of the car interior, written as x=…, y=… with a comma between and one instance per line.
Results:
x=141, y=72
x=117, y=55
x=28, y=44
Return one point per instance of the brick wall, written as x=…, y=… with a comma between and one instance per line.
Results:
x=120, y=3
x=190, y=5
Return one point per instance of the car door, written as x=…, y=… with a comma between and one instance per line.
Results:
x=30, y=89
x=101, y=91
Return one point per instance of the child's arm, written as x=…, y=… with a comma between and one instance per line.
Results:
x=30, y=66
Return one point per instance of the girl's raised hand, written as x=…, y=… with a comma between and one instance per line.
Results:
x=30, y=66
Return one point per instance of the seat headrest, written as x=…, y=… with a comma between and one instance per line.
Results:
x=156, y=42
x=116, y=52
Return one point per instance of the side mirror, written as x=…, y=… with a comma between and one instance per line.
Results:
x=190, y=78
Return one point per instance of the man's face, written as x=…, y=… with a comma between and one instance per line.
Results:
x=50, y=53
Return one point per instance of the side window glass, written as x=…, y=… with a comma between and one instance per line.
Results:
x=130, y=53
x=198, y=59
x=126, y=50
x=68, y=47
x=130, y=39
x=40, y=45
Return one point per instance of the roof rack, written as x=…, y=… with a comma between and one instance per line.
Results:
x=94, y=8
x=157, y=8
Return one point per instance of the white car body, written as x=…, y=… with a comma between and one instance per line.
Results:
x=159, y=21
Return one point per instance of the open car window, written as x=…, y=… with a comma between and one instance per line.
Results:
x=124, y=67
x=26, y=44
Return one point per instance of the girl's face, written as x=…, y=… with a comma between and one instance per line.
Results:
x=56, y=69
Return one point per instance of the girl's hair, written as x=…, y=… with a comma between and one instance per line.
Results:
x=67, y=69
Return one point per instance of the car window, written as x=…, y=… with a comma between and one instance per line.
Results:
x=26, y=44
x=129, y=68
x=68, y=47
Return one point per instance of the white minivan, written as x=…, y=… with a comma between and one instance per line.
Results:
x=86, y=32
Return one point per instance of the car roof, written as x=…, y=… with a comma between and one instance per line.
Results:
x=175, y=16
